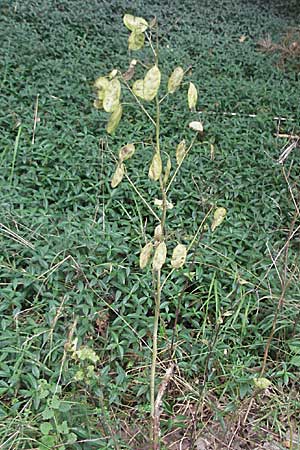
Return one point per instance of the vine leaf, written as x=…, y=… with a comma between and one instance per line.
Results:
x=178, y=256
x=219, y=216
x=159, y=257
x=145, y=255
x=192, y=96
x=112, y=95
x=114, y=119
x=118, y=175
x=175, y=79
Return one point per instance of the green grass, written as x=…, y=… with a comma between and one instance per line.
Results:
x=69, y=245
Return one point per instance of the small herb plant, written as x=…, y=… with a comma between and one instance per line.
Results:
x=146, y=90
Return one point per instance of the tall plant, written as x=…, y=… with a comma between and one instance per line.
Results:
x=148, y=90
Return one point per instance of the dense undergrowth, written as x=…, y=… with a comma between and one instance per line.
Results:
x=70, y=245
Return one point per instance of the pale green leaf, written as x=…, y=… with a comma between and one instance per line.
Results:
x=101, y=85
x=219, y=216
x=126, y=152
x=151, y=83
x=112, y=95
x=138, y=88
x=155, y=167
x=262, y=383
x=175, y=79
x=133, y=23
x=192, y=96
x=178, y=256
x=136, y=40
x=114, y=119
x=168, y=170
x=180, y=152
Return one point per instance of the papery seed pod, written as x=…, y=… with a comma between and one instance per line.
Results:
x=155, y=167
x=158, y=234
x=126, y=152
x=151, y=83
x=136, y=40
x=168, y=170
x=112, y=95
x=114, y=120
x=261, y=383
x=138, y=88
x=219, y=216
x=178, y=256
x=180, y=152
x=159, y=257
x=118, y=175
x=196, y=126
x=192, y=96
x=145, y=255
x=134, y=23
x=175, y=79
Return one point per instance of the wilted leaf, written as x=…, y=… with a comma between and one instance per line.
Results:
x=112, y=95
x=179, y=256
x=101, y=85
x=180, y=152
x=175, y=79
x=160, y=255
x=192, y=96
x=136, y=41
x=118, y=175
x=130, y=71
x=219, y=216
x=159, y=203
x=262, y=383
x=196, y=126
x=155, y=167
x=114, y=119
x=133, y=23
x=168, y=170
x=151, y=83
x=126, y=152
x=145, y=255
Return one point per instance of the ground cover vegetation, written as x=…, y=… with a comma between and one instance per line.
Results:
x=76, y=308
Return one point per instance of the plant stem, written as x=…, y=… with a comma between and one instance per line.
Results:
x=155, y=429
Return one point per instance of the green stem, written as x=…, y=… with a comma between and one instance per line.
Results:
x=15, y=155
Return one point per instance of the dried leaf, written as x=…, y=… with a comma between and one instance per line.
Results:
x=118, y=175
x=180, y=152
x=192, y=96
x=112, y=95
x=133, y=23
x=175, y=79
x=130, y=71
x=196, y=126
x=145, y=255
x=159, y=257
x=114, y=120
x=155, y=167
x=98, y=104
x=242, y=38
x=151, y=83
x=219, y=216
x=179, y=256
x=126, y=152
x=168, y=170
x=136, y=41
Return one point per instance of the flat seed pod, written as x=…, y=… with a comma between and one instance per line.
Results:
x=168, y=170
x=175, y=79
x=126, y=152
x=136, y=41
x=151, y=83
x=158, y=234
x=118, y=175
x=114, y=119
x=180, y=152
x=101, y=85
x=178, y=256
x=192, y=96
x=155, y=167
x=112, y=95
x=138, y=88
x=145, y=254
x=219, y=216
x=159, y=257
x=134, y=23
x=196, y=126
